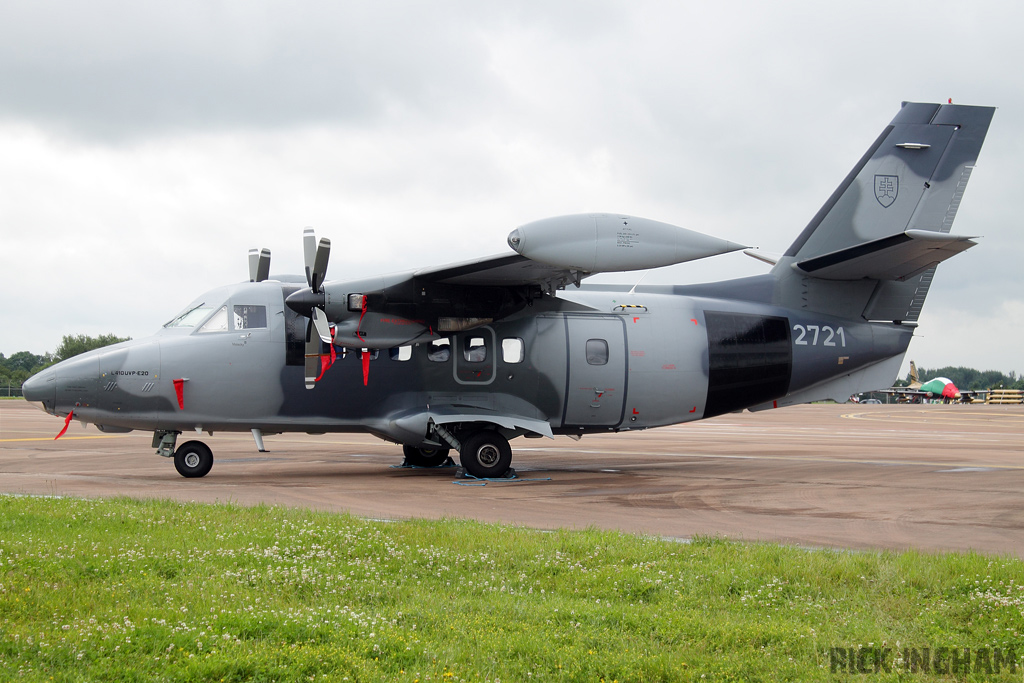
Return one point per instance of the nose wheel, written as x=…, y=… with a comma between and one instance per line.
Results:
x=193, y=459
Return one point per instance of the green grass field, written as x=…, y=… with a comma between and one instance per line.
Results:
x=121, y=590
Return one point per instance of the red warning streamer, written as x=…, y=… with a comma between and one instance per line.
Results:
x=327, y=361
x=179, y=389
x=66, y=423
x=365, y=355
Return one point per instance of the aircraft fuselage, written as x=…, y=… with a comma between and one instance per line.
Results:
x=590, y=360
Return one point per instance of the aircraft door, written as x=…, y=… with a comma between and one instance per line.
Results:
x=596, y=390
x=475, y=356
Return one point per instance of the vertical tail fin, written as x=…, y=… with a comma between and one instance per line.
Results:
x=890, y=218
x=915, y=380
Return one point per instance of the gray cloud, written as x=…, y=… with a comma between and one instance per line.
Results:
x=126, y=69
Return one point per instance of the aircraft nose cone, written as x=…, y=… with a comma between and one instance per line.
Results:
x=41, y=389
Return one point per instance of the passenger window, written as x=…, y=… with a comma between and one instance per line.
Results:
x=512, y=350
x=250, y=317
x=474, y=350
x=597, y=352
x=402, y=353
x=217, y=323
x=440, y=351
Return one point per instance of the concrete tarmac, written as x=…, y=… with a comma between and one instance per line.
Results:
x=928, y=477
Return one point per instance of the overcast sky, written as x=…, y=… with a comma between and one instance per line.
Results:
x=145, y=147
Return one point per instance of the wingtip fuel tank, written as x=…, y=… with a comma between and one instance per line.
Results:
x=610, y=242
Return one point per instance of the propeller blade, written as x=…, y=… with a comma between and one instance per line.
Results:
x=323, y=254
x=323, y=327
x=263, y=268
x=312, y=356
x=310, y=303
x=309, y=253
x=254, y=264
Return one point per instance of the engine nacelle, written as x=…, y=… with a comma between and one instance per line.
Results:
x=609, y=242
x=377, y=331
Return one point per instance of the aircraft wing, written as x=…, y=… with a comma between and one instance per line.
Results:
x=909, y=393
x=970, y=395
x=555, y=252
x=502, y=270
x=548, y=255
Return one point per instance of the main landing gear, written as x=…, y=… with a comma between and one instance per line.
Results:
x=484, y=453
x=426, y=457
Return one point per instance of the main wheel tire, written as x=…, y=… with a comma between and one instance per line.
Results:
x=193, y=459
x=486, y=455
x=426, y=457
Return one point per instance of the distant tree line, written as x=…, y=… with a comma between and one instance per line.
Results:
x=23, y=364
x=969, y=378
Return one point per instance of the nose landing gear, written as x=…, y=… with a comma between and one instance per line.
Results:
x=193, y=459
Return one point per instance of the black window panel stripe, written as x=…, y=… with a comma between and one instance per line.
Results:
x=750, y=360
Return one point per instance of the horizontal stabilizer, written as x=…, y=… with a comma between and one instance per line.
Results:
x=896, y=257
x=763, y=256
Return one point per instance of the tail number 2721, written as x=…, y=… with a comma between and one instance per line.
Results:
x=808, y=335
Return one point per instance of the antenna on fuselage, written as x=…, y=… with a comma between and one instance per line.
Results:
x=633, y=290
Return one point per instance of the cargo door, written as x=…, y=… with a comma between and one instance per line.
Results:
x=596, y=389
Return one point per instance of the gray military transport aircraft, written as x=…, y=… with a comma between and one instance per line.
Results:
x=469, y=356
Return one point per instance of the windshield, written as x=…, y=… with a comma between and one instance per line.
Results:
x=190, y=317
x=218, y=322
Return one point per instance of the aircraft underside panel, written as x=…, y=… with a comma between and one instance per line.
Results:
x=750, y=360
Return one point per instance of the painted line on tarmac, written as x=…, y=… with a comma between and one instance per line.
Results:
x=948, y=466
x=941, y=417
x=67, y=438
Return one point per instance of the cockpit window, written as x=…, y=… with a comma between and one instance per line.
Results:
x=250, y=317
x=190, y=317
x=218, y=322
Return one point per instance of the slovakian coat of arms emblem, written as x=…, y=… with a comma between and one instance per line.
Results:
x=886, y=189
